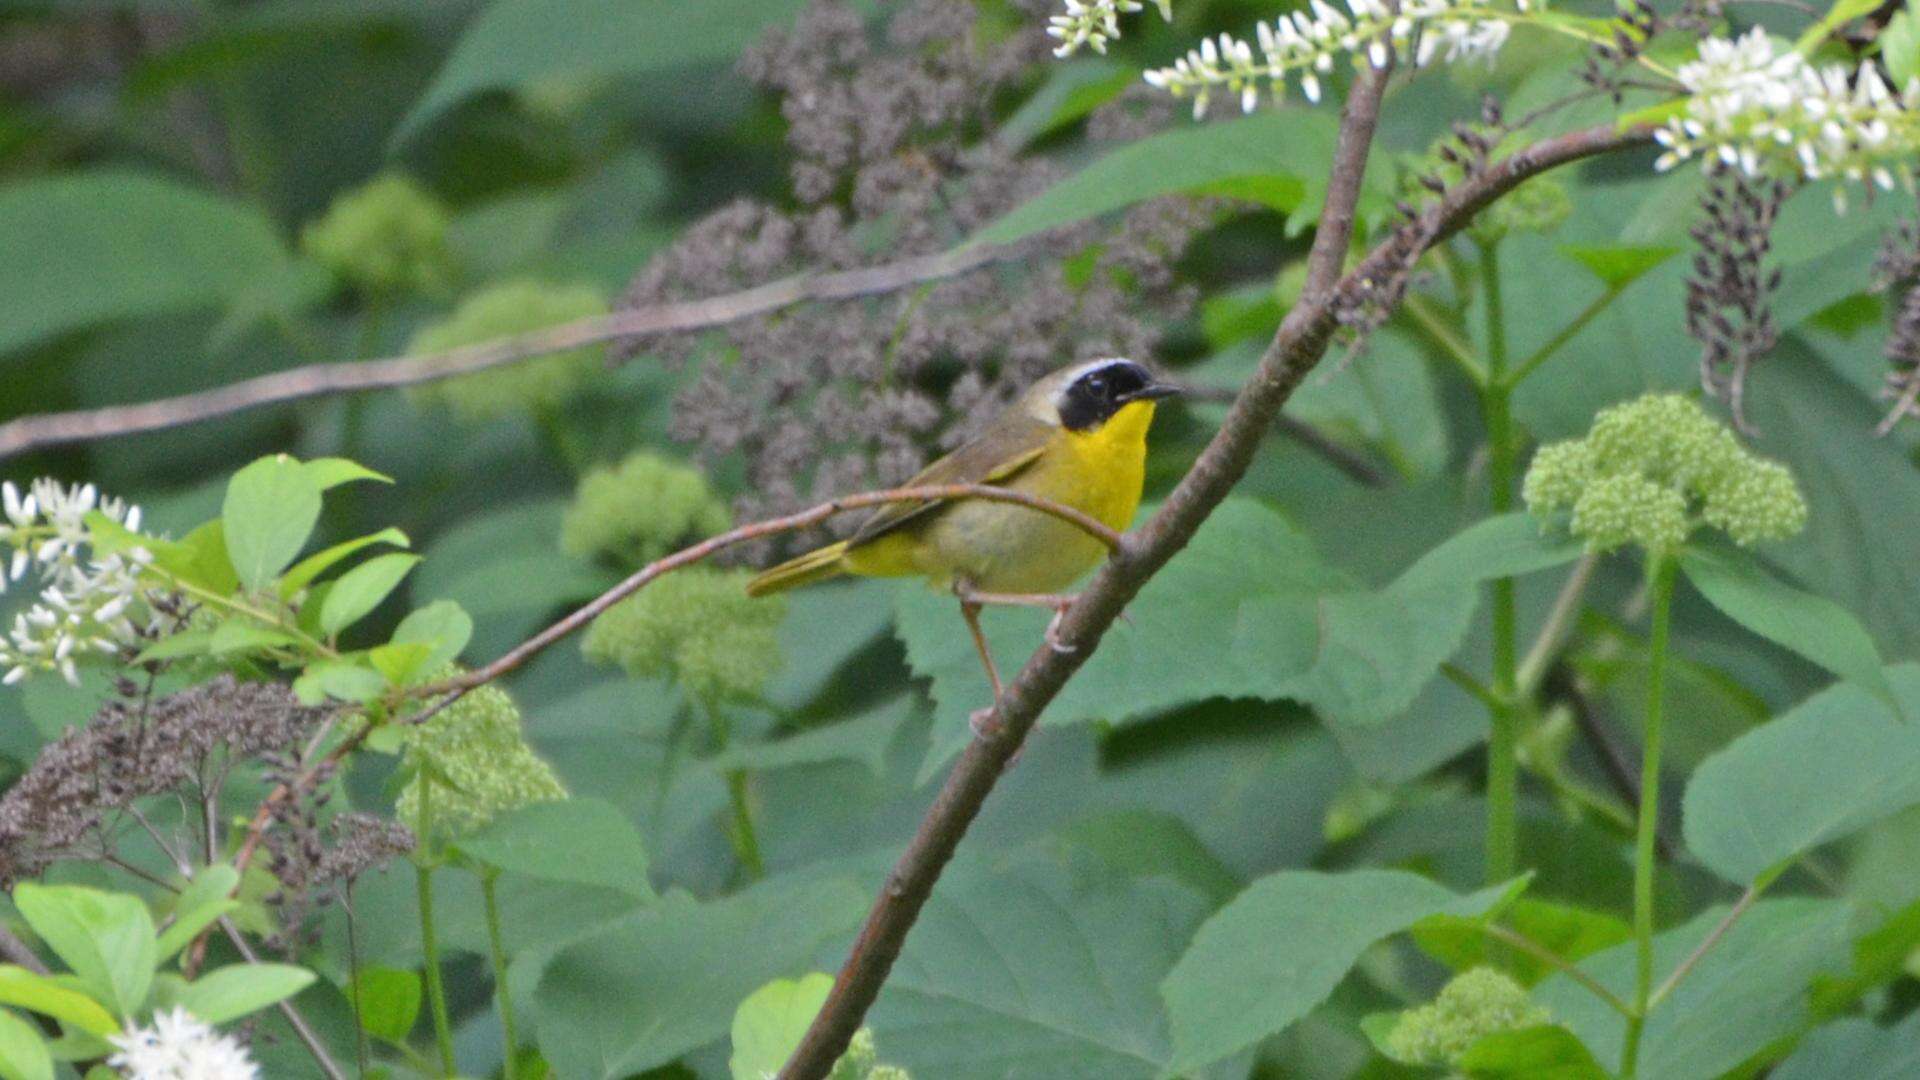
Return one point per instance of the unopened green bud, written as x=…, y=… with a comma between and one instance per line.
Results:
x=1761, y=502
x=1627, y=508
x=698, y=626
x=515, y=307
x=477, y=758
x=640, y=510
x=857, y=1063
x=888, y=1072
x=1559, y=473
x=1475, y=1004
x=387, y=236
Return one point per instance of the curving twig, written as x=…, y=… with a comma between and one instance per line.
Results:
x=54, y=429
x=1299, y=344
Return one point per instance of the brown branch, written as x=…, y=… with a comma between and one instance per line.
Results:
x=53, y=429
x=1298, y=345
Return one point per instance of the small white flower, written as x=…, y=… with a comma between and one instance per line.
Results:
x=1093, y=23
x=180, y=1047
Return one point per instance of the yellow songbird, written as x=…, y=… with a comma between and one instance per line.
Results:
x=1077, y=437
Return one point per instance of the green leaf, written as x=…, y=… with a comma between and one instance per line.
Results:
x=515, y=43
x=342, y=679
x=196, y=642
x=1617, y=266
x=444, y=626
x=240, y=633
x=201, y=558
x=768, y=1025
x=360, y=590
x=331, y=472
x=1747, y=991
x=1856, y=1049
x=665, y=980
x=1569, y=932
x=1248, y=610
x=1828, y=767
x=1841, y=13
x=112, y=245
x=388, y=1002
x=583, y=841
x=1813, y=626
x=1900, y=47
x=236, y=990
x=1279, y=948
x=270, y=510
x=204, y=900
x=1544, y=1052
x=23, y=1053
x=107, y=939
x=1279, y=148
x=398, y=664
x=311, y=567
x=46, y=996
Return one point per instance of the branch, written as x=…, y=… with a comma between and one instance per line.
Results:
x=1298, y=345
x=53, y=429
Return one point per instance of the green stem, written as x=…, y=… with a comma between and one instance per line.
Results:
x=1504, y=715
x=1546, y=352
x=746, y=840
x=1429, y=322
x=1660, y=573
x=429, y=944
x=497, y=947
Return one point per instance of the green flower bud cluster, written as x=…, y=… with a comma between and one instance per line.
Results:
x=640, y=510
x=1538, y=206
x=1477, y=1003
x=477, y=758
x=513, y=307
x=388, y=236
x=698, y=626
x=860, y=1062
x=1652, y=470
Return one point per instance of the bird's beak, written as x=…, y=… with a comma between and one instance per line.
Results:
x=1155, y=390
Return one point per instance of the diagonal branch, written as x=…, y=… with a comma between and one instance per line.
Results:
x=54, y=429
x=1298, y=345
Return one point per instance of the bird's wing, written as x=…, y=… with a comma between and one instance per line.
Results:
x=1008, y=446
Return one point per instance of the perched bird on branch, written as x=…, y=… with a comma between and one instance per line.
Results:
x=1077, y=437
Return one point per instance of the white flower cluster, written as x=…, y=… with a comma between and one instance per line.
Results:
x=1093, y=23
x=1771, y=113
x=1305, y=45
x=86, y=604
x=179, y=1047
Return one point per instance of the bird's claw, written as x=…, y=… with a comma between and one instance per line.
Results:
x=1052, y=635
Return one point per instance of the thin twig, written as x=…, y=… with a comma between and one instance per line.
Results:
x=1707, y=943
x=1298, y=345
x=301, y=1029
x=1553, y=632
x=1554, y=960
x=54, y=429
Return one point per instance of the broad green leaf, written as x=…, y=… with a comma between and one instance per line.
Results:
x=1143, y=843
x=666, y=979
x=201, y=558
x=1856, y=1049
x=107, y=939
x=205, y=899
x=1571, y=933
x=302, y=573
x=584, y=841
x=1248, y=610
x=515, y=43
x=45, y=995
x=499, y=565
x=332, y=472
x=1279, y=148
x=1747, y=991
x=270, y=510
x=342, y=679
x=388, y=1001
x=444, y=626
x=864, y=738
x=1545, y=1052
x=1900, y=47
x=398, y=664
x=1279, y=948
x=1826, y=768
x=195, y=642
x=1617, y=267
x=1813, y=626
x=1039, y=966
x=108, y=245
x=236, y=990
x=23, y=1052
x=1841, y=13
x=240, y=633
x=360, y=590
x=768, y=1025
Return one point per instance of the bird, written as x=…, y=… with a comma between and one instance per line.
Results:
x=1077, y=437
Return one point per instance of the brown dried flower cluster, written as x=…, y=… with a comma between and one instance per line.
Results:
x=894, y=155
x=1730, y=292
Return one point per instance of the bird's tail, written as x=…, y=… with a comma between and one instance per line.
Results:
x=816, y=565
